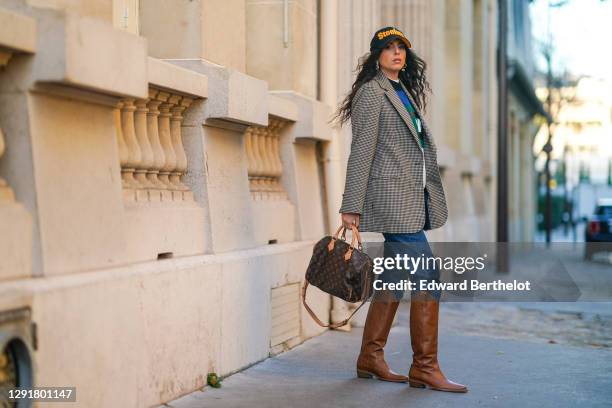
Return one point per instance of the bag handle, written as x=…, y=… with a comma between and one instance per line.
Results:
x=332, y=242
x=354, y=229
x=316, y=319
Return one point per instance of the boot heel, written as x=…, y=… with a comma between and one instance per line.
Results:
x=363, y=374
x=416, y=384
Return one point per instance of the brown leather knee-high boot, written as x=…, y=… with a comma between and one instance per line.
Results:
x=425, y=371
x=371, y=361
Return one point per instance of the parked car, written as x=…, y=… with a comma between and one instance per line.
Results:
x=599, y=227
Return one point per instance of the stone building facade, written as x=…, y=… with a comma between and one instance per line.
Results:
x=526, y=116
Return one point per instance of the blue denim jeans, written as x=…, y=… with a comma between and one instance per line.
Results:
x=415, y=245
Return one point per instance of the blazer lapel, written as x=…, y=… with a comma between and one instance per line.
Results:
x=398, y=104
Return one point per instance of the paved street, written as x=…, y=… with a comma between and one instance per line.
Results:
x=527, y=354
x=561, y=234
x=519, y=355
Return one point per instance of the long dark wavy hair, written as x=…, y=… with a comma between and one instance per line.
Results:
x=413, y=78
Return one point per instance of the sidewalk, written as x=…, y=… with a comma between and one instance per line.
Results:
x=499, y=372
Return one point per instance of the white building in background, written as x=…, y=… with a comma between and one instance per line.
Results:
x=582, y=141
x=582, y=133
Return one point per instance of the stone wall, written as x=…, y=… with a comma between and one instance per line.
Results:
x=149, y=206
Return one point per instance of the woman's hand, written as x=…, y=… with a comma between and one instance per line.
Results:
x=349, y=219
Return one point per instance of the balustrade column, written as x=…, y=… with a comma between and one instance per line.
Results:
x=258, y=164
x=248, y=148
x=140, y=125
x=129, y=136
x=275, y=127
x=264, y=144
x=177, y=142
x=274, y=184
x=272, y=131
x=267, y=162
x=6, y=193
x=121, y=147
x=123, y=153
x=166, y=138
x=158, y=151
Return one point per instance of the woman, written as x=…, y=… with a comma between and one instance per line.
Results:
x=393, y=186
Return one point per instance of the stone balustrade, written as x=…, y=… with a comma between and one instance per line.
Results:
x=264, y=164
x=6, y=193
x=18, y=35
x=151, y=151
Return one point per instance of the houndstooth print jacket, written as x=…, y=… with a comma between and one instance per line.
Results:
x=384, y=174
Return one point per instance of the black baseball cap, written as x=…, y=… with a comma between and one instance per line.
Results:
x=385, y=35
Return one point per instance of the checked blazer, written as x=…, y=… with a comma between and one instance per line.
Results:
x=384, y=174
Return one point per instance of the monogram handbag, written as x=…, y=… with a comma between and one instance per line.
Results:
x=340, y=269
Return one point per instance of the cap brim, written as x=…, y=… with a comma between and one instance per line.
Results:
x=397, y=37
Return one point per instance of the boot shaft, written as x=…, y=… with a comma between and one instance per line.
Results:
x=424, y=313
x=377, y=326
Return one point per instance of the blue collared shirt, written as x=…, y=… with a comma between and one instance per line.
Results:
x=416, y=120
